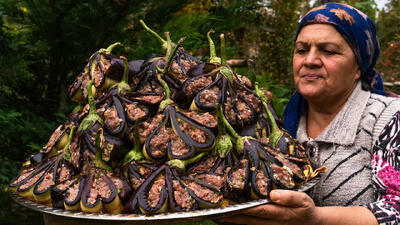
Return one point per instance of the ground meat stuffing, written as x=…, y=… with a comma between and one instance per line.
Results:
x=203, y=193
x=262, y=183
x=107, y=148
x=209, y=96
x=63, y=173
x=154, y=88
x=155, y=191
x=194, y=133
x=294, y=168
x=182, y=196
x=46, y=182
x=283, y=175
x=72, y=193
x=196, y=85
x=214, y=180
x=64, y=185
x=134, y=111
x=53, y=139
x=74, y=150
x=205, y=119
x=118, y=184
x=85, y=82
x=103, y=188
x=84, y=112
x=136, y=182
x=32, y=181
x=24, y=175
x=112, y=118
x=228, y=110
x=245, y=81
x=144, y=171
x=238, y=175
x=205, y=165
x=151, y=99
x=178, y=146
x=253, y=101
x=98, y=77
x=243, y=109
x=159, y=141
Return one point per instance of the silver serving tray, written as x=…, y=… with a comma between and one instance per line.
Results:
x=196, y=215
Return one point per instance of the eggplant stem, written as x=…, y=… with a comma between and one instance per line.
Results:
x=213, y=55
x=228, y=126
x=223, y=51
x=221, y=124
x=67, y=155
x=111, y=47
x=123, y=85
x=158, y=37
x=135, y=153
x=92, y=118
x=276, y=133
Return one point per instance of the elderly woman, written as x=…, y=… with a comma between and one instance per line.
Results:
x=339, y=112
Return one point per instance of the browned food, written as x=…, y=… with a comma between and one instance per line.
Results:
x=209, y=96
x=155, y=191
x=111, y=117
x=197, y=84
x=134, y=111
x=205, y=119
x=202, y=192
x=238, y=175
x=182, y=196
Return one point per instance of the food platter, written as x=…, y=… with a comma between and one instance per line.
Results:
x=196, y=215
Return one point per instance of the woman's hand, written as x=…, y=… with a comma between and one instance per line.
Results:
x=291, y=207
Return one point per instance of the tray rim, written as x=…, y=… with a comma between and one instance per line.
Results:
x=195, y=215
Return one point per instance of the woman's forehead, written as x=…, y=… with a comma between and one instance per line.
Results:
x=320, y=33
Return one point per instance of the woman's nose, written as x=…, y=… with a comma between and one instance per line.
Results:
x=312, y=58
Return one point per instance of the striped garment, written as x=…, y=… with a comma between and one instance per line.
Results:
x=359, y=173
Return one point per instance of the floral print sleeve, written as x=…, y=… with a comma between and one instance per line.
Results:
x=386, y=174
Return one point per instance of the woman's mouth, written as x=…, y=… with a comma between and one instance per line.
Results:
x=310, y=77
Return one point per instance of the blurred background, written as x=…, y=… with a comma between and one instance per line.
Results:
x=44, y=45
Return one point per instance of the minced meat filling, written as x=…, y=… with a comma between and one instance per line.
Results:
x=155, y=88
x=228, y=110
x=283, y=175
x=24, y=175
x=146, y=128
x=64, y=185
x=63, y=173
x=203, y=193
x=182, y=196
x=159, y=141
x=134, y=111
x=32, y=180
x=178, y=146
x=112, y=118
x=294, y=168
x=118, y=184
x=245, y=81
x=107, y=148
x=243, y=109
x=213, y=180
x=75, y=151
x=197, y=84
x=238, y=175
x=46, y=182
x=253, y=101
x=262, y=183
x=205, y=165
x=72, y=192
x=155, y=191
x=136, y=182
x=194, y=133
x=152, y=99
x=209, y=96
x=205, y=119
x=53, y=139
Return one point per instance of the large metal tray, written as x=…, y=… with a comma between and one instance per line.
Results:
x=196, y=215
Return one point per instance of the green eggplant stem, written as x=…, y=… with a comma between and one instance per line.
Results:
x=67, y=155
x=135, y=153
x=228, y=126
x=276, y=133
x=98, y=162
x=112, y=46
x=181, y=164
x=223, y=51
x=221, y=125
x=123, y=85
x=158, y=37
x=213, y=55
x=170, y=53
x=92, y=118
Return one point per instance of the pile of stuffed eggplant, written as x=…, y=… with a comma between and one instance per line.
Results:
x=168, y=133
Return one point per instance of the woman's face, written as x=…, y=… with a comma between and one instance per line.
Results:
x=324, y=65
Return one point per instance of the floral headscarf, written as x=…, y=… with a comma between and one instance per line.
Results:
x=359, y=32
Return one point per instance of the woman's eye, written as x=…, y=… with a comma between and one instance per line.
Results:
x=300, y=51
x=329, y=52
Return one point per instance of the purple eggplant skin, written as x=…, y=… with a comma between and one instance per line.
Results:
x=239, y=192
x=132, y=206
x=57, y=194
x=84, y=204
x=43, y=195
x=211, y=108
x=121, y=115
x=146, y=149
x=37, y=158
x=173, y=205
x=256, y=193
x=143, y=193
x=74, y=205
x=210, y=140
x=113, y=203
x=203, y=204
